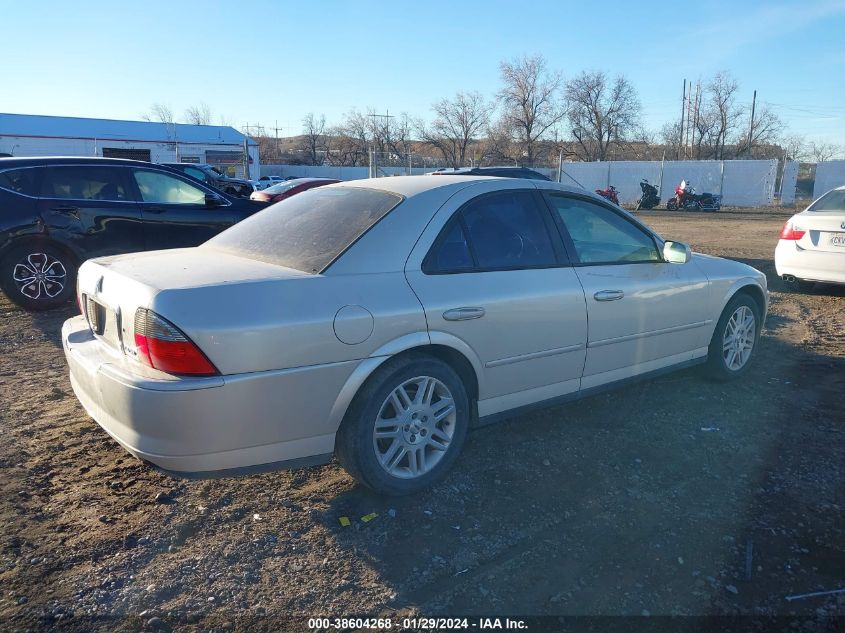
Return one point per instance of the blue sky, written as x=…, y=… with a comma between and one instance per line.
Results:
x=264, y=62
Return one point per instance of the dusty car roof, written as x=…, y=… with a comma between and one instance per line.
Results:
x=412, y=185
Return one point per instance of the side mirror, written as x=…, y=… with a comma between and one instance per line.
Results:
x=213, y=200
x=676, y=252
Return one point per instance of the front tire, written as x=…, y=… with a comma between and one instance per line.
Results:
x=735, y=339
x=406, y=426
x=37, y=276
x=672, y=205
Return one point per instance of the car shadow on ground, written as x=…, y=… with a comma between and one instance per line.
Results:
x=637, y=501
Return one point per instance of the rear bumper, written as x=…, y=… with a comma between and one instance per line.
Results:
x=201, y=426
x=809, y=265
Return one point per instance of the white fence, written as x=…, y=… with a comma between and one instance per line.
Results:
x=742, y=183
x=829, y=175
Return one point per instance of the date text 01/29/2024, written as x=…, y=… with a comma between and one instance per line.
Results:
x=382, y=624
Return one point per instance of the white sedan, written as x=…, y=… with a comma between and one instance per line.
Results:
x=376, y=320
x=812, y=243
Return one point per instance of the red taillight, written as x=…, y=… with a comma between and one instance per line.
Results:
x=161, y=345
x=790, y=232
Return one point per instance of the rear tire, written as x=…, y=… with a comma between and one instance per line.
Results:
x=403, y=448
x=38, y=276
x=735, y=339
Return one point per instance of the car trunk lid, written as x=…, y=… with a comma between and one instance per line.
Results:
x=824, y=231
x=112, y=289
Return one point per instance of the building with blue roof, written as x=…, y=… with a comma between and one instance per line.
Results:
x=218, y=145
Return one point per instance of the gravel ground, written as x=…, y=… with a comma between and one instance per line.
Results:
x=676, y=496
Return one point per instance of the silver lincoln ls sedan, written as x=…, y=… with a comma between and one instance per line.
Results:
x=377, y=320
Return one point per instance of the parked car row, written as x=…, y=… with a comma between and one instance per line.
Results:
x=372, y=320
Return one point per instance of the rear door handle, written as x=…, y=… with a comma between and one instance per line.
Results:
x=608, y=295
x=153, y=210
x=463, y=314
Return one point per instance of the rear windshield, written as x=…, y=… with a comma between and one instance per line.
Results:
x=831, y=201
x=309, y=230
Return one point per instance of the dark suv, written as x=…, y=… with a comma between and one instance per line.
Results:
x=504, y=172
x=57, y=212
x=213, y=177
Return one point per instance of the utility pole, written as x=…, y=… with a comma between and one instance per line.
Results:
x=695, y=114
x=689, y=119
x=373, y=156
x=751, y=128
x=681, y=137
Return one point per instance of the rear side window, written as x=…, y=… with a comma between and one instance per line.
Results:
x=22, y=181
x=831, y=201
x=86, y=183
x=307, y=231
x=501, y=231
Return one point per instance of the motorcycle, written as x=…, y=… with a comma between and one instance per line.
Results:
x=609, y=194
x=649, y=199
x=686, y=198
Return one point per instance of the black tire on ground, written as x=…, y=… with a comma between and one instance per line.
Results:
x=354, y=446
x=671, y=205
x=38, y=276
x=716, y=366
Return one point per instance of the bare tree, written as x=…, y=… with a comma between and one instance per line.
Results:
x=159, y=113
x=821, y=152
x=313, y=133
x=348, y=144
x=795, y=147
x=530, y=102
x=457, y=123
x=601, y=113
x=765, y=130
x=198, y=114
x=721, y=92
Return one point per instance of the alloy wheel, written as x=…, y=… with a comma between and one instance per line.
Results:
x=414, y=427
x=40, y=276
x=739, y=337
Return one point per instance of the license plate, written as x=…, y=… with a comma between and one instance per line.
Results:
x=838, y=240
x=104, y=322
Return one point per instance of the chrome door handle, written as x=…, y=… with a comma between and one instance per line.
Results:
x=608, y=295
x=463, y=314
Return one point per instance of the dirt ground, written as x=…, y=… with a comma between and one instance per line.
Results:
x=671, y=497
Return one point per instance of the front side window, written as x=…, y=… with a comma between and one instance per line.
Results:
x=307, y=231
x=161, y=188
x=20, y=181
x=601, y=236
x=85, y=183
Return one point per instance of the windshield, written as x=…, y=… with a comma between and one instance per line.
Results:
x=308, y=231
x=831, y=201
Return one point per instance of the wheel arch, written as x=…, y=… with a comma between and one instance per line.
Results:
x=41, y=239
x=752, y=289
x=444, y=347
